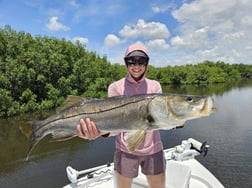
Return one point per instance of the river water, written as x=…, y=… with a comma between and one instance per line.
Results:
x=228, y=132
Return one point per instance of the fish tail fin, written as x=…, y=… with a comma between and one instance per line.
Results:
x=34, y=138
x=135, y=139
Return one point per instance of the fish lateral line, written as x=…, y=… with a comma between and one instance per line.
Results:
x=37, y=125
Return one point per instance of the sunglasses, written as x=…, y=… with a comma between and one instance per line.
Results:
x=142, y=62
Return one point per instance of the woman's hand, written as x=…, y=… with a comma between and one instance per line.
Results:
x=86, y=129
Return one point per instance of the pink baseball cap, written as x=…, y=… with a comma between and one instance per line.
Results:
x=137, y=49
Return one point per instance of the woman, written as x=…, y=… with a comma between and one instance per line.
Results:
x=149, y=154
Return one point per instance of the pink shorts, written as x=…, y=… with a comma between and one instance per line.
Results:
x=127, y=164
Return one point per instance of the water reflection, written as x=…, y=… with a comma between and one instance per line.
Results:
x=212, y=89
x=15, y=145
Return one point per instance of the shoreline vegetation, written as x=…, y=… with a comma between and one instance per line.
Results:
x=37, y=73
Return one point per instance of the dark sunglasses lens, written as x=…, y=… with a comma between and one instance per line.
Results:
x=142, y=62
x=132, y=62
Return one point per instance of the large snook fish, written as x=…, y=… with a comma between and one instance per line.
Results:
x=134, y=114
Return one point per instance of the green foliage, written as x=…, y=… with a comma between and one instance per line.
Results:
x=204, y=73
x=37, y=73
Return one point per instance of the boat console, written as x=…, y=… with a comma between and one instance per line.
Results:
x=188, y=149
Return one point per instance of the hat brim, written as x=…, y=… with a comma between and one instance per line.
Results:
x=137, y=53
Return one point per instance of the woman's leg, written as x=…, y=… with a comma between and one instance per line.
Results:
x=121, y=181
x=156, y=181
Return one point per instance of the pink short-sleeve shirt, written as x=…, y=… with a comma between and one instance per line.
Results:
x=128, y=86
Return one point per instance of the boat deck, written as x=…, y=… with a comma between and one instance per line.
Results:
x=182, y=171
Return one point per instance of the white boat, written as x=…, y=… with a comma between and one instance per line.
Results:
x=182, y=171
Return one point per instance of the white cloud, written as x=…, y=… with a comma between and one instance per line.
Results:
x=158, y=44
x=229, y=37
x=82, y=40
x=156, y=9
x=111, y=40
x=54, y=25
x=161, y=8
x=204, y=11
x=247, y=20
x=74, y=4
x=194, y=39
x=215, y=30
x=177, y=42
x=149, y=30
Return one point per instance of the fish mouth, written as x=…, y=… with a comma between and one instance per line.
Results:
x=208, y=108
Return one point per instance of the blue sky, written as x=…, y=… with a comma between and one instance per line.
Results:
x=176, y=32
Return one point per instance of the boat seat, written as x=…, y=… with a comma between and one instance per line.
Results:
x=177, y=175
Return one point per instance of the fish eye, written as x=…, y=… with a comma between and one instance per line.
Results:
x=189, y=99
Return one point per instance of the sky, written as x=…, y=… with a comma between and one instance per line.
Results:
x=176, y=32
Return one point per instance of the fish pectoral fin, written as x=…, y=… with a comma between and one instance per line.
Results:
x=134, y=139
x=61, y=136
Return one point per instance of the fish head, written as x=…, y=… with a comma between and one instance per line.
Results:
x=189, y=106
x=170, y=111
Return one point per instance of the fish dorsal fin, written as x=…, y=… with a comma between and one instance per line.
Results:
x=71, y=101
x=134, y=139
